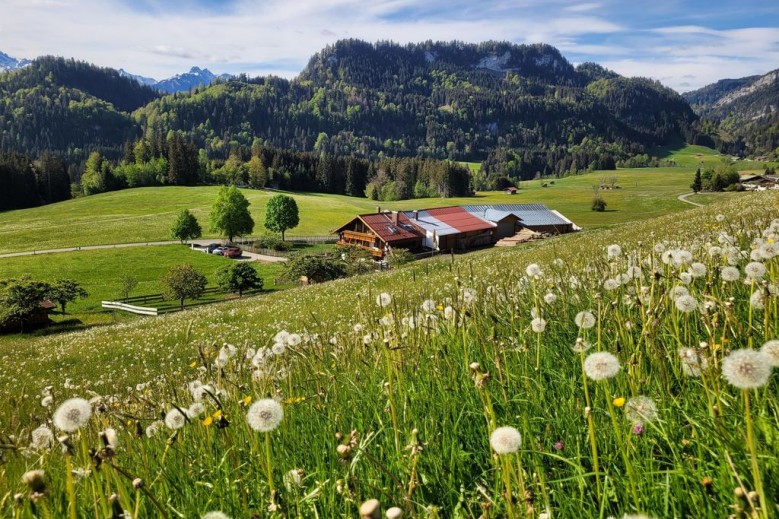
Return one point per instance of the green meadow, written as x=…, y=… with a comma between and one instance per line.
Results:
x=398, y=387
x=145, y=214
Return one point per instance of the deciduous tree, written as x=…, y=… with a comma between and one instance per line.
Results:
x=186, y=227
x=65, y=291
x=230, y=213
x=184, y=282
x=281, y=214
x=239, y=277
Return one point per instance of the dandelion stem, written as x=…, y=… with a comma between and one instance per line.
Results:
x=507, y=482
x=753, y=454
x=591, y=428
x=71, y=488
x=622, y=446
x=269, y=464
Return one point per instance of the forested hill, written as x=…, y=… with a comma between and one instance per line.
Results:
x=745, y=111
x=441, y=100
x=522, y=109
x=68, y=108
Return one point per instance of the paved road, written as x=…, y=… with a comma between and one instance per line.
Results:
x=683, y=198
x=197, y=245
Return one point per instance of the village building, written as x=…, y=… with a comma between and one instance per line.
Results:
x=758, y=182
x=454, y=228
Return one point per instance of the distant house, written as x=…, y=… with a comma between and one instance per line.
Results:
x=758, y=182
x=380, y=232
x=511, y=190
x=450, y=228
x=38, y=319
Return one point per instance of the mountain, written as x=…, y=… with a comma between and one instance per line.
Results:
x=196, y=77
x=524, y=108
x=69, y=108
x=745, y=110
x=7, y=63
x=140, y=79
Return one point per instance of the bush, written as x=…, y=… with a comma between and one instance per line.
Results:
x=400, y=257
x=598, y=204
x=273, y=242
x=315, y=267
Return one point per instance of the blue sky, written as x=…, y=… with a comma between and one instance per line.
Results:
x=685, y=45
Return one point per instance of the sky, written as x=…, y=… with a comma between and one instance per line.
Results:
x=684, y=45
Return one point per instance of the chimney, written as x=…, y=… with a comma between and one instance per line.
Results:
x=416, y=215
x=378, y=209
x=395, y=217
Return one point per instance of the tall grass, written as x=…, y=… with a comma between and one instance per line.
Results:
x=392, y=385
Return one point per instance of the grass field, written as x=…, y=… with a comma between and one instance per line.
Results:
x=99, y=272
x=402, y=402
x=145, y=214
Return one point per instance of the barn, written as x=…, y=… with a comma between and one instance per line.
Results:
x=380, y=232
x=452, y=228
x=536, y=217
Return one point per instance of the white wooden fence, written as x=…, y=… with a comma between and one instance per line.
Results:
x=141, y=310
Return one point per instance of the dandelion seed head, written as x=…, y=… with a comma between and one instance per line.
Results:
x=538, y=325
x=41, y=438
x=601, y=365
x=730, y=274
x=754, y=270
x=72, y=415
x=505, y=440
x=428, y=306
x=580, y=346
x=47, y=401
x=614, y=251
x=550, y=298
x=746, y=369
x=215, y=515
x=533, y=270
x=641, y=409
x=611, y=284
x=584, y=320
x=175, y=419
x=469, y=296
x=383, y=299
x=686, y=304
x=771, y=350
x=265, y=415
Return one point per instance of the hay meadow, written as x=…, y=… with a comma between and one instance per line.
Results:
x=623, y=372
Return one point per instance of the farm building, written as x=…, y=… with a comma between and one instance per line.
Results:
x=379, y=232
x=758, y=182
x=447, y=228
x=450, y=228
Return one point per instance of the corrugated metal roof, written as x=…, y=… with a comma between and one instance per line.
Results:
x=387, y=230
x=448, y=220
x=529, y=214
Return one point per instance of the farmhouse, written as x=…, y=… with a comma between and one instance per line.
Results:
x=379, y=232
x=450, y=228
x=758, y=182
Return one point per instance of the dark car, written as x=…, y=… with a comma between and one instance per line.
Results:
x=232, y=252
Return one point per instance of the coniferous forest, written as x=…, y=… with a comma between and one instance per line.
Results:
x=379, y=120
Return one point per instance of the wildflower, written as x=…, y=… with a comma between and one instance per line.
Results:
x=110, y=438
x=538, y=325
x=580, y=346
x=618, y=402
x=611, y=284
x=428, y=306
x=601, y=365
x=685, y=278
x=614, y=251
x=550, y=298
x=175, y=419
x=215, y=515
x=697, y=270
x=448, y=313
x=584, y=320
x=394, y=513
x=730, y=274
x=634, y=272
x=41, y=438
x=72, y=415
x=686, y=304
x=293, y=339
x=754, y=270
x=154, y=428
x=196, y=409
x=505, y=440
x=469, y=296
x=533, y=270
x=638, y=429
x=36, y=480
x=771, y=351
x=47, y=401
x=746, y=369
x=370, y=509
x=692, y=362
x=559, y=445
x=265, y=415
x=383, y=299
x=278, y=348
x=720, y=218
x=641, y=409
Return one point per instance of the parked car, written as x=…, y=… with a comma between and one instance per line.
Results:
x=211, y=247
x=219, y=250
x=232, y=252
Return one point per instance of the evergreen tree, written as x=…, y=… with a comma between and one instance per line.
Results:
x=697, y=183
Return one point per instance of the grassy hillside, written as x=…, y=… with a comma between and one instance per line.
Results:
x=145, y=214
x=399, y=402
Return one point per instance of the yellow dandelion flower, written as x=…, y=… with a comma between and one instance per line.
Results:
x=193, y=364
x=618, y=402
x=247, y=400
x=208, y=421
x=217, y=413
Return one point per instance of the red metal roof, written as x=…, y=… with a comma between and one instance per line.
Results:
x=382, y=224
x=460, y=219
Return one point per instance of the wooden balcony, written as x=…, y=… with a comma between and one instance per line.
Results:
x=377, y=253
x=364, y=237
